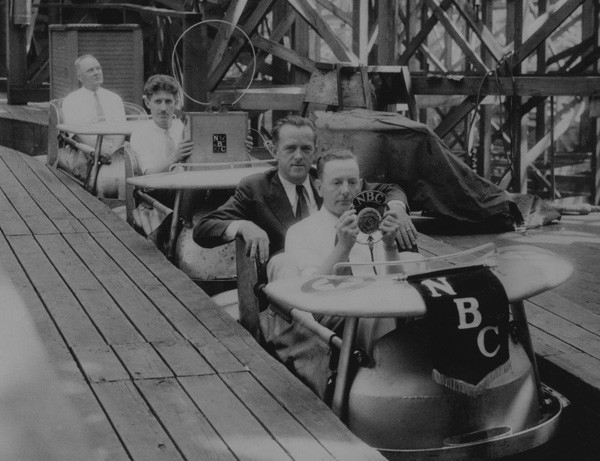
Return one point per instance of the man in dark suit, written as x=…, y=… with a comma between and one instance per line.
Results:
x=265, y=205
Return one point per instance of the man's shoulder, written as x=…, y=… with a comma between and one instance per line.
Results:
x=142, y=127
x=259, y=180
x=73, y=94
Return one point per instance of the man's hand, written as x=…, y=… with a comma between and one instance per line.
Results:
x=390, y=226
x=347, y=229
x=249, y=143
x=257, y=241
x=183, y=151
x=406, y=233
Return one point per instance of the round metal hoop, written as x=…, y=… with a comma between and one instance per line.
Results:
x=206, y=21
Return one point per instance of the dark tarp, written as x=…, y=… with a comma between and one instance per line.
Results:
x=393, y=148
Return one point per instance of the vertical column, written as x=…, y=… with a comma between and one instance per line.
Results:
x=387, y=14
x=514, y=33
x=484, y=161
x=300, y=44
x=3, y=40
x=195, y=64
x=589, y=29
x=360, y=30
x=16, y=49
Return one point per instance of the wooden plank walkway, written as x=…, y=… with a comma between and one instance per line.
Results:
x=153, y=368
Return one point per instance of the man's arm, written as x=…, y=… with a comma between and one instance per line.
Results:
x=235, y=217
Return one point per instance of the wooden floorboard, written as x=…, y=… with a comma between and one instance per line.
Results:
x=152, y=367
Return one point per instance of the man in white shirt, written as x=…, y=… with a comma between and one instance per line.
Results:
x=158, y=143
x=316, y=244
x=328, y=237
x=92, y=103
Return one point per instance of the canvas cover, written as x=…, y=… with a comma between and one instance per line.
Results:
x=393, y=148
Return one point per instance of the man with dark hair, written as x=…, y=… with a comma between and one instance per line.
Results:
x=265, y=205
x=158, y=143
x=91, y=103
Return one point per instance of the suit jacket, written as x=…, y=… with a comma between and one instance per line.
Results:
x=261, y=198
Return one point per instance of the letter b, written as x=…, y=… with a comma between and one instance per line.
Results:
x=468, y=313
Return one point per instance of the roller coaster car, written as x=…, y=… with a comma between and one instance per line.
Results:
x=390, y=397
x=109, y=182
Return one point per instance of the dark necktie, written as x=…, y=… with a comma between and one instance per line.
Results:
x=301, y=204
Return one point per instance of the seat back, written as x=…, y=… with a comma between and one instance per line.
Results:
x=55, y=116
x=249, y=275
x=133, y=111
x=131, y=169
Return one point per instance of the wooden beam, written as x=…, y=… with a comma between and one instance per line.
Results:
x=484, y=154
x=221, y=40
x=542, y=27
x=322, y=28
x=337, y=12
x=194, y=65
x=16, y=45
x=524, y=85
x=413, y=45
x=560, y=128
x=288, y=98
x=456, y=34
x=277, y=34
x=249, y=27
x=360, y=30
x=480, y=29
x=387, y=16
x=283, y=52
x=300, y=43
x=178, y=10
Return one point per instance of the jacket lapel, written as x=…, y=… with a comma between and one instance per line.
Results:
x=278, y=202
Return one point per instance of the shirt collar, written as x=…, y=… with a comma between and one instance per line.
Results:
x=328, y=214
x=161, y=130
x=291, y=186
x=90, y=92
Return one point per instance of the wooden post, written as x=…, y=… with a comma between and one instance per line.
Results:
x=195, y=64
x=589, y=29
x=360, y=30
x=387, y=15
x=514, y=33
x=300, y=44
x=16, y=46
x=3, y=39
x=484, y=160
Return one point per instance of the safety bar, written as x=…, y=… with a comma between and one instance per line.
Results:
x=224, y=165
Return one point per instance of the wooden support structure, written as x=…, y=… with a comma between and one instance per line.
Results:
x=469, y=62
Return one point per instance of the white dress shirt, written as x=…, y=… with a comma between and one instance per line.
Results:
x=79, y=108
x=150, y=143
x=310, y=241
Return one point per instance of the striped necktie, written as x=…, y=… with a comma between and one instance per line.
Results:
x=98, y=106
x=169, y=143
